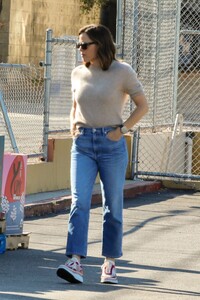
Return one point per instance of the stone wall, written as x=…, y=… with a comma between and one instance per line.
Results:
x=23, y=25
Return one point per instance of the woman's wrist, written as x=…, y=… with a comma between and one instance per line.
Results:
x=123, y=129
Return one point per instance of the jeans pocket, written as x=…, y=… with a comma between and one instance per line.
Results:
x=113, y=141
x=109, y=139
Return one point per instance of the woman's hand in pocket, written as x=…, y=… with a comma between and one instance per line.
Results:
x=114, y=135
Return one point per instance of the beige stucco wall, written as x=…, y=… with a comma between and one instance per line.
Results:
x=23, y=25
x=55, y=174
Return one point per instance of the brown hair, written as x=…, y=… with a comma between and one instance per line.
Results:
x=102, y=36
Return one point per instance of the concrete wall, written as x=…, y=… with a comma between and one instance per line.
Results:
x=55, y=174
x=23, y=25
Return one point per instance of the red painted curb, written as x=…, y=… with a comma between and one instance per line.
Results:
x=57, y=205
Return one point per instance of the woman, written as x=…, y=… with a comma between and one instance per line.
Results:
x=101, y=86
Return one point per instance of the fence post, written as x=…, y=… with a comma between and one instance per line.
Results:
x=47, y=83
x=119, y=29
x=176, y=60
x=134, y=169
x=8, y=124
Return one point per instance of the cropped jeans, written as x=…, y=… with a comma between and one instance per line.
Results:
x=92, y=153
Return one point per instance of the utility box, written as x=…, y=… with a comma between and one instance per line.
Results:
x=13, y=191
x=1, y=167
x=2, y=215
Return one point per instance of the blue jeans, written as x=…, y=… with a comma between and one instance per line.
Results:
x=92, y=152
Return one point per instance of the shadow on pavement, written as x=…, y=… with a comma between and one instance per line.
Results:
x=28, y=274
x=31, y=274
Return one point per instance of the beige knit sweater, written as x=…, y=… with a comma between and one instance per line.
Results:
x=101, y=95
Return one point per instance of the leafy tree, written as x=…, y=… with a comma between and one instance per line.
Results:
x=87, y=5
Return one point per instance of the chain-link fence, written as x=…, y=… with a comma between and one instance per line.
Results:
x=36, y=102
x=149, y=45
x=161, y=40
x=64, y=59
x=21, y=108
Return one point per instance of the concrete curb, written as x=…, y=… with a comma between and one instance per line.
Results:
x=56, y=205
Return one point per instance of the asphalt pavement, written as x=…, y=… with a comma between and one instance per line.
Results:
x=161, y=257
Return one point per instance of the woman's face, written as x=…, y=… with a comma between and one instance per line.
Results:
x=89, y=54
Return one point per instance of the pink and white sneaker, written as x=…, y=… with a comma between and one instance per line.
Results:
x=108, y=272
x=71, y=271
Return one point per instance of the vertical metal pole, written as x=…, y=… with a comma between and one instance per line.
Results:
x=178, y=122
x=134, y=169
x=8, y=124
x=135, y=35
x=119, y=28
x=157, y=61
x=135, y=43
x=176, y=59
x=47, y=83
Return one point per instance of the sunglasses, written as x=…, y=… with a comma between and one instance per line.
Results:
x=84, y=46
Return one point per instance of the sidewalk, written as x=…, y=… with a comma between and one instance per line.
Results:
x=161, y=259
x=54, y=202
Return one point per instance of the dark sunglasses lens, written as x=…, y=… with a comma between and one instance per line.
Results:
x=82, y=46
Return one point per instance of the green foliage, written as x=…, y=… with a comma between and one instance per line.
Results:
x=87, y=5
